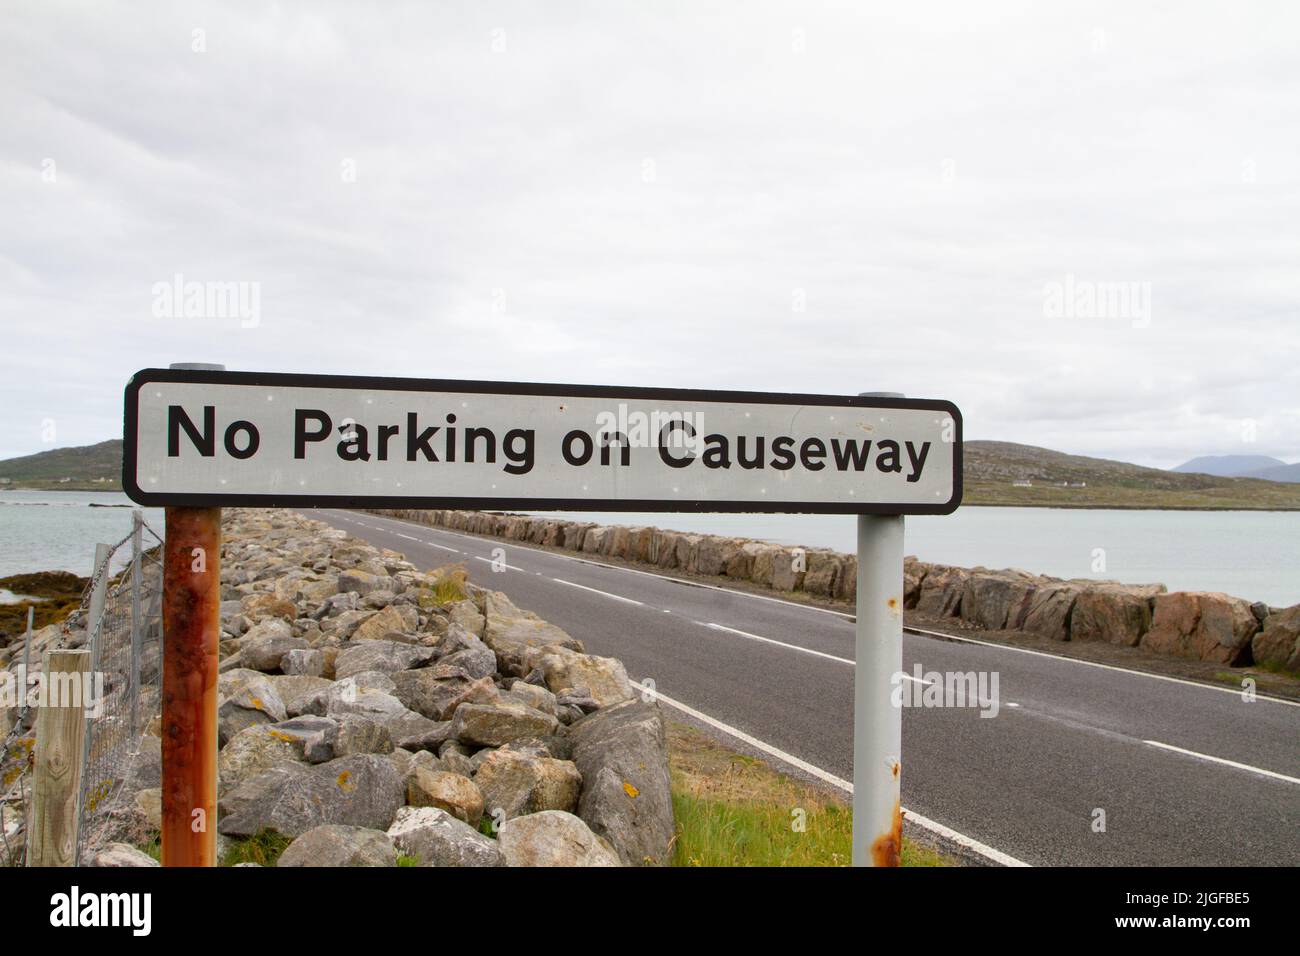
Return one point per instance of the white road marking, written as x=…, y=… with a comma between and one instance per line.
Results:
x=408, y=537
x=443, y=546
x=616, y=597
x=492, y=562
x=1227, y=763
x=925, y=823
x=802, y=650
x=768, y=640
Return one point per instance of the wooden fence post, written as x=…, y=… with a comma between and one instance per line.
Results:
x=56, y=781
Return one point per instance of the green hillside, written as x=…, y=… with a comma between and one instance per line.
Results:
x=88, y=467
x=993, y=469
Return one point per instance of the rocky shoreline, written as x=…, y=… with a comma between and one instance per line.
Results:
x=1193, y=625
x=371, y=711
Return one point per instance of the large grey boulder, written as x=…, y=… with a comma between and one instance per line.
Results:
x=456, y=794
x=563, y=669
x=245, y=698
x=364, y=790
x=265, y=645
x=515, y=783
x=362, y=582
x=310, y=663
x=122, y=854
x=436, y=838
x=380, y=655
x=351, y=696
x=1203, y=626
x=313, y=736
x=255, y=750
x=941, y=591
x=358, y=734
x=302, y=693
x=477, y=660
x=622, y=754
x=429, y=690
x=989, y=598
x=1047, y=610
x=337, y=845
x=394, y=622
x=1116, y=613
x=1278, y=642
x=491, y=725
x=510, y=632
x=413, y=731
x=553, y=838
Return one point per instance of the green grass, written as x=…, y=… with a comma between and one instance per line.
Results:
x=450, y=585
x=405, y=860
x=263, y=848
x=735, y=810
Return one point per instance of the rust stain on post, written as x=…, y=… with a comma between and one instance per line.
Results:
x=887, y=847
x=191, y=629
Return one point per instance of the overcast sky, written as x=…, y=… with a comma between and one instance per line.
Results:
x=784, y=197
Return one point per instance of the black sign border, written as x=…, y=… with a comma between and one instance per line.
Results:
x=374, y=383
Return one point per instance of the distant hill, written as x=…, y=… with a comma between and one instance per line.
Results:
x=1230, y=466
x=1006, y=473
x=97, y=467
x=1290, y=473
x=996, y=473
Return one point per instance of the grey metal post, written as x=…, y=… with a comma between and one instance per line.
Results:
x=877, y=723
x=137, y=578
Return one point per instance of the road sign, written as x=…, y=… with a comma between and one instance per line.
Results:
x=197, y=437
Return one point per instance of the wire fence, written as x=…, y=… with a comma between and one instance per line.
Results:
x=119, y=621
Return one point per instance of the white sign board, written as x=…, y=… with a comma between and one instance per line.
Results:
x=247, y=438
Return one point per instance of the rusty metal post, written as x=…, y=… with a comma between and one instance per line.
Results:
x=877, y=722
x=191, y=630
x=191, y=619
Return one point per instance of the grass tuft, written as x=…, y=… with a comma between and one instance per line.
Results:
x=735, y=810
x=263, y=848
x=449, y=586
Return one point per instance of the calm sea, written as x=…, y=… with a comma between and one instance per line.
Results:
x=58, y=531
x=1252, y=554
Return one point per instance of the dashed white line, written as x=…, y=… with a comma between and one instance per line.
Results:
x=495, y=565
x=443, y=546
x=975, y=846
x=768, y=640
x=802, y=650
x=616, y=597
x=1227, y=763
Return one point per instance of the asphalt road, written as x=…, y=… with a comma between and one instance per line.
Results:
x=1185, y=774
